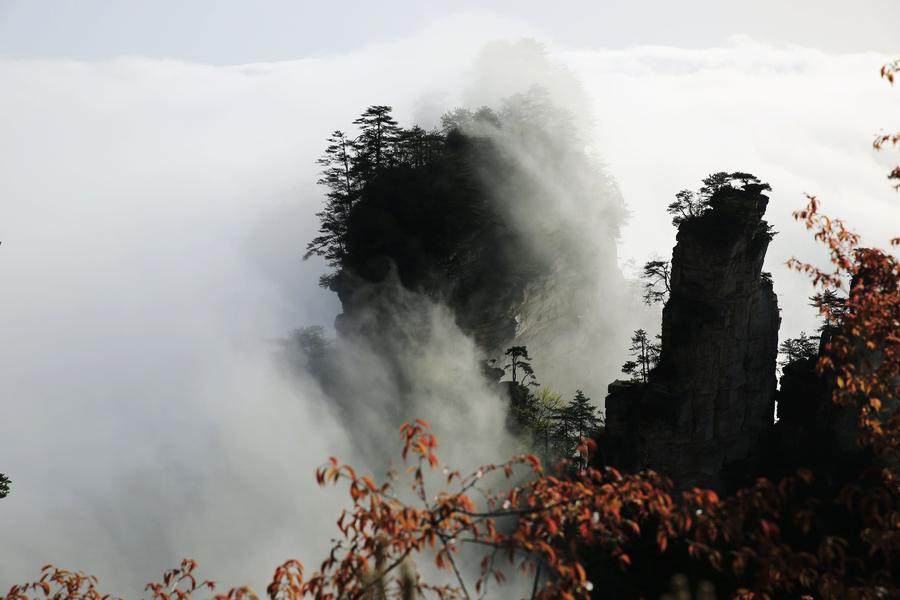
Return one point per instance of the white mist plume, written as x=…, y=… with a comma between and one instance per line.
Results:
x=419, y=365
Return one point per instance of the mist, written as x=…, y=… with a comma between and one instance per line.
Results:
x=153, y=215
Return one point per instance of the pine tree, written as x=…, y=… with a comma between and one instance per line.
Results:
x=582, y=416
x=347, y=166
x=570, y=424
x=688, y=204
x=376, y=144
x=411, y=147
x=794, y=349
x=338, y=175
x=519, y=366
x=656, y=276
x=576, y=420
x=831, y=306
x=713, y=183
x=645, y=354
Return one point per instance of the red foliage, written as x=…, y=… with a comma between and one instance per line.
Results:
x=58, y=584
x=889, y=71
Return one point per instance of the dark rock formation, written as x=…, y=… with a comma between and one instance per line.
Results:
x=811, y=431
x=516, y=240
x=711, y=400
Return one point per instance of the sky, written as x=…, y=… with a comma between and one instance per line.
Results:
x=242, y=31
x=157, y=188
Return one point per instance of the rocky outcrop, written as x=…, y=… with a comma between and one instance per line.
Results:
x=711, y=400
x=515, y=236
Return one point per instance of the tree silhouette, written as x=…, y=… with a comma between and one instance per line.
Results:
x=645, y=354
x=519, y=365
x=4, y=485
x=745, y=178
x=339, y=175
x=831, y=305
x=348, y=164
x=793, y=349
x=714, y=182
x=583, y=415
x=688, y=204
x=414, y=199
x=575, y=421
x=656, y=274
x=378, y=133
x=416, y=147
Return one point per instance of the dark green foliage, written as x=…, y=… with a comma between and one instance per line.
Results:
x=645, y=355
x=4, y=485
x=688, y=204
x=351, y=166
x=556, y=427
x=416, y=200
x=656, y=274
x=799, y=348
x=340, y=175
x=575, y=421
x=429, y=205
x=377, y=141
x=582, y=416
x=415, y=219
x=545, y=407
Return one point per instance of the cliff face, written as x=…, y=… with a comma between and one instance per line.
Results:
x=712, y=397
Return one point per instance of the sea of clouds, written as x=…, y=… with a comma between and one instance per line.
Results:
x=153, y=215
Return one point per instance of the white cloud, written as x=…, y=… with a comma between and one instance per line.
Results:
x=800, y=119
x=153, y=214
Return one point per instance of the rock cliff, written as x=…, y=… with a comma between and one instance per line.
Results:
x=711, y=399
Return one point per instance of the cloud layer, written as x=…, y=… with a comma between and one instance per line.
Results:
x=153, y=216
